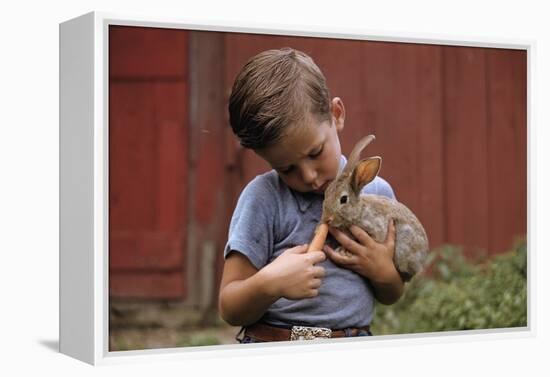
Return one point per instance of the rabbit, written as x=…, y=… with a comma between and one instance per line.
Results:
x=343, y=206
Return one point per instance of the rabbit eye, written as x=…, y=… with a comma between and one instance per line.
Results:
x=344, y=199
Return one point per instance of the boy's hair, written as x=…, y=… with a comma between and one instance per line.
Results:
x=273, y=91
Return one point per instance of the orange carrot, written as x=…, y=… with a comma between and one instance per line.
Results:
x=319, y=239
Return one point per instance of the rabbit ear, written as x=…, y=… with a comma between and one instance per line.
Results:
x=365, y=171
x=354, y=156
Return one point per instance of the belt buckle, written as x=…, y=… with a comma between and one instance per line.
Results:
x=309, y=333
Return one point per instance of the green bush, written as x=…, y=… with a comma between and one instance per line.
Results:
x=458, y=295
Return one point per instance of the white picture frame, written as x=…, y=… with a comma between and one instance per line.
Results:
x=84, y=189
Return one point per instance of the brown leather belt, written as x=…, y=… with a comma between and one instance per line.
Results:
x=266, y=333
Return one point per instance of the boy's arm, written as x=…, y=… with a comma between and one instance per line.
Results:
x=389, y=291
x=246, y=292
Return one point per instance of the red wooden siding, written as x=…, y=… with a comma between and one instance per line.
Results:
x=450, y=125
x=465, y=143
x=507, y=145
x=148, y=130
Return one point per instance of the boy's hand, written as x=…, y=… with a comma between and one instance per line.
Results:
x=367, y=257
x=294, y=274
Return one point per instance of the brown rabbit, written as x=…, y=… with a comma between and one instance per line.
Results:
x=343, y=206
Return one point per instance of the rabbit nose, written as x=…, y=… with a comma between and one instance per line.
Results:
x=327, y=220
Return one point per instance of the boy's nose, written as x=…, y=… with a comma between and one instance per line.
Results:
x=309, y=175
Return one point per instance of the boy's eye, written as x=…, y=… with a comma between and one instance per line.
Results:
x=317, y=153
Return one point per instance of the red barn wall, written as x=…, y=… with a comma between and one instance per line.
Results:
x=148, y=143
x=450, y=125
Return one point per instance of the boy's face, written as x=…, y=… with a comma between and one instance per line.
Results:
x=308, y=157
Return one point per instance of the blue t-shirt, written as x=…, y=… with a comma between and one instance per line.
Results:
x=270, y=218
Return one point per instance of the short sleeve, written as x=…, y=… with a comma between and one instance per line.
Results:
x=251, y=228
x=379, y=186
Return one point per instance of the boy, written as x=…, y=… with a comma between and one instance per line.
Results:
x=280, y=107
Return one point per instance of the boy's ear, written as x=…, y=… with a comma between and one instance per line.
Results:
x=365, y=171
x=338, y=113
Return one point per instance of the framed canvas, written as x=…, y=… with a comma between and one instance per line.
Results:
x=151, y=172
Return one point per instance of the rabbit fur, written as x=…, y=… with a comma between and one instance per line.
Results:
x=344, y=206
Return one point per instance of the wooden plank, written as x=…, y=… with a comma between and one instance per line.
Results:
x=171, y=117
x=152, y=250
x=144, y=53
x=148, y=285
x=389, y=81
x=465, y=113
x=147, y=184
x=208, y=187
x=507, y=98
x=208, y=127
x=429, y=182
x=402, y=100
x=148, y=156
x=132, y=157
